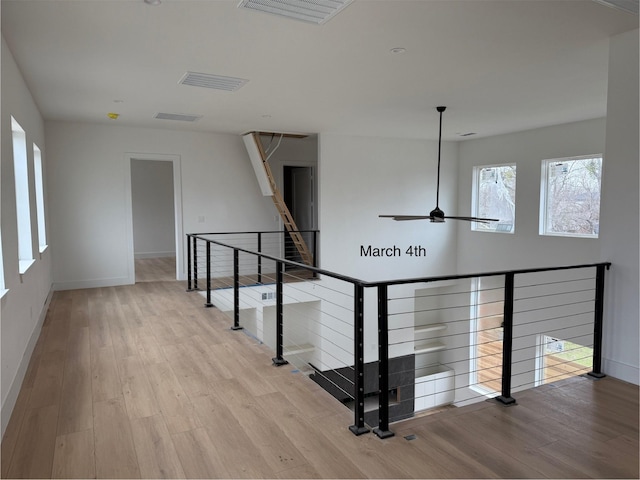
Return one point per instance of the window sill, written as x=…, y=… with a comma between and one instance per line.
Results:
x=24, y=265
x=3, y=292
x=494, y=231
x=566, y=235
x=43, y=248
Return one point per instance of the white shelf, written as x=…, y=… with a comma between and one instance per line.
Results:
x=298, y=349
x=434, y=327
x=429, y=347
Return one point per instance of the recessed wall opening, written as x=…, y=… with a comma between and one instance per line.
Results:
x=155, y=205
x=153, y=220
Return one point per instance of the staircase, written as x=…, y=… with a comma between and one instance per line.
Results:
x=281, y=206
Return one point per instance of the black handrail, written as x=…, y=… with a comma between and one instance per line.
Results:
x=359, y=426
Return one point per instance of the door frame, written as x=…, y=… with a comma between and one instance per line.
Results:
x=314, y=192
x=177, y=208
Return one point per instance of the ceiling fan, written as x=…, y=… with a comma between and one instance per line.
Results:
x=437, y=215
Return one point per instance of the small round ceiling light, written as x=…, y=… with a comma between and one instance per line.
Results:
x=113, y=116
x=398, y=50
x=153, y=2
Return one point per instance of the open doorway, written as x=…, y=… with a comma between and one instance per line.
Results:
x=298, y=194
x=153, y=212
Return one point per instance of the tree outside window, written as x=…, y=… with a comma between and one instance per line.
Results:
x=570, y=196
x=494, y=196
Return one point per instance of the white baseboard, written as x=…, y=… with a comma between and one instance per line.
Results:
x=622, y=371
x=96, y=283
x=14, y=390
x=141, y=255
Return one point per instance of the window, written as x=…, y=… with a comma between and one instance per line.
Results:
x=494, y=196
x=23, y=209
x=570, y=196
x=42, y=227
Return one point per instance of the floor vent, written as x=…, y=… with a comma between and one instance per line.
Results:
x=310, y=11
x=177, y=116
x=215, y=82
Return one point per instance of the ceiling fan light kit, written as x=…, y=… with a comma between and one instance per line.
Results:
x=437, y=215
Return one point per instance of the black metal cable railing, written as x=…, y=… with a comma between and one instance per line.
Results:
x=441, y=340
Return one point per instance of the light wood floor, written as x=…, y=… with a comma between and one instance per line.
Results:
x=159, y=269
x=142, y=381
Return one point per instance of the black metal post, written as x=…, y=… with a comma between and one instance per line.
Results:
x=208, y=304
x=259, y=257
x=236, y=291
x=358, y=428
x=189, y=289
x=383, y=365
x=315, y=251
x=278, y=360
x=195, y=263
x=596, y=371
x=507, y=341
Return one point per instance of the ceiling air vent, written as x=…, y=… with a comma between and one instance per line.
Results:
x=177, y=116
x=311, y=11
x=216, y=82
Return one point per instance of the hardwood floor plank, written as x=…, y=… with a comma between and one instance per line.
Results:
x=12, y=432
x=115, y=454
x=234, y=449
x=189, y=372
x=100, y=311
x=74, y=456
x=315, y=449
x=501, y=463
x=136, y=389
x=597, y=459
x=176, y=408
x=104, y=372
x=366, y=450
x=33, y=453
x=48, y=382
x=194, y=449
x=278, y=451
x=149, y=350
x=156, y=453
x=76, y=402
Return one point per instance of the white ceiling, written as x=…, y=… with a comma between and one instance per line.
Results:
x=500, y=66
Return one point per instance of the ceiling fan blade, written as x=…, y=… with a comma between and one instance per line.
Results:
x=473, y=219
x=401, y=218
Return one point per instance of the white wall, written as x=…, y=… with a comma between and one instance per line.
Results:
x=485, y=251
x=620, y=212
x=25, y=304
x=153, y=210
x=362, y=177
x=88, y=175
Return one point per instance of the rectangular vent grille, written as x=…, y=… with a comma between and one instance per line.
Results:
x=216, y=82
x=311, y=11
x=177, y=116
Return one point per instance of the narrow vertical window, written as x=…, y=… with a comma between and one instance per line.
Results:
x=42, y=226
x=494, y=196
x=23, y=210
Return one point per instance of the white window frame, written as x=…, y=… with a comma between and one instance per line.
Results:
x=3, y=288
x=40, y=210
x=23, y=202
x=475, y=191
x=544, y=179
